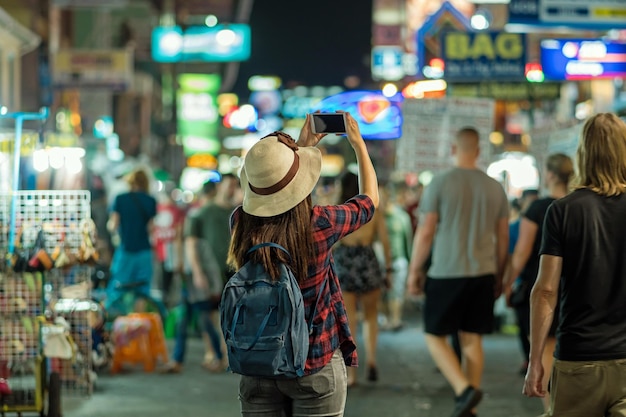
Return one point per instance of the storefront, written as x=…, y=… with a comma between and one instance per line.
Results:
x=17, y=40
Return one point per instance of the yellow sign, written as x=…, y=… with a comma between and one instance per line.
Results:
x=29, y=142
x=462, y=46
x=202, y=161
x=62, y=140
x=92, y=68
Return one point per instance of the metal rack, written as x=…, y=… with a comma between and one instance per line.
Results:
x=37, y=296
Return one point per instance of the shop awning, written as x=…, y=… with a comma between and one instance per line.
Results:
x=10, y=27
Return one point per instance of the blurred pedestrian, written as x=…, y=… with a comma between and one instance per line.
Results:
x=361, y=277
x=278, y=178
x=132, y=268
x=202, y=284
x=168, y=239
x=582, y=258
x=524, y=265
x=518, y=207
x=400, y=233
x=464, y=217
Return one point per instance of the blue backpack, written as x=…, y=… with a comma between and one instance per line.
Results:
x=263, y=321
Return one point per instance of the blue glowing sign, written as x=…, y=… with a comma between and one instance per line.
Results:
x=582, y=59
x=379, y=117
x=221, y=43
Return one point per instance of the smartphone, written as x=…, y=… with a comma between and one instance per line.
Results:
x=328, y=122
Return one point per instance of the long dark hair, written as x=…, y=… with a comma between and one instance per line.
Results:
x=292, y=230
x=349, y=186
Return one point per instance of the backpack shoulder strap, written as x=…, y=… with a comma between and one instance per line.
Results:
x=319, y=294
x=266, y=244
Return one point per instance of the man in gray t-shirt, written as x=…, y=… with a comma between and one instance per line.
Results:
x=464, y=222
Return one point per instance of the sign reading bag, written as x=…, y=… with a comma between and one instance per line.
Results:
x=484, y=56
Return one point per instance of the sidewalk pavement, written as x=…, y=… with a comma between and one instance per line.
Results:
x=409, y=385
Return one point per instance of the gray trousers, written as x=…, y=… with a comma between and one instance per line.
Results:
x=322, y=394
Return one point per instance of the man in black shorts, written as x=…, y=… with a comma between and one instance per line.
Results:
x=464, y=220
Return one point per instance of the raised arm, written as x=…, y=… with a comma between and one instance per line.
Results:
x=368, y=182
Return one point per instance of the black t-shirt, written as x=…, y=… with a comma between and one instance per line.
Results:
x=536, y=212
x=589, y=232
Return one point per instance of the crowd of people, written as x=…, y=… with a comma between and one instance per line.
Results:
x=555, y=254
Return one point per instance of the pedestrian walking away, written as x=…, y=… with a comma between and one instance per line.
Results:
x=464, y=221
x=582, y=259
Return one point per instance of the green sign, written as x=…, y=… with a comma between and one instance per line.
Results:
x=197, y=113
x=506, y=91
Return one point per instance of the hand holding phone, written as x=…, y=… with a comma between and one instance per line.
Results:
x=328, y=123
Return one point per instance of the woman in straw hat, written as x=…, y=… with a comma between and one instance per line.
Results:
x=277, y=180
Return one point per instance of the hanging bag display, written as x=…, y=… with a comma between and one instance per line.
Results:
x=87, y=253
x=57, y=342
x=21, y=254
x=40, y=260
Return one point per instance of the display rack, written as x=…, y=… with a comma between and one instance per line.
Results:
x=36, y=296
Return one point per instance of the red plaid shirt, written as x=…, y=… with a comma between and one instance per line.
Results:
x=330, y=325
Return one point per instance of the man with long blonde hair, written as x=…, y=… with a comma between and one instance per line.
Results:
x=583, y=251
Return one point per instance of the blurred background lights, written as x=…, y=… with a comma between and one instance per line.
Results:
x=73, y=165
x=103, y=127
x=226, y=37
x=3, y=110
x=211, y=20
x=389, y=90
x=481, y=20
x=496, y=138
x=425, y=177
x=56, y=158
x=244, y=117
x=40, y=160
x=171, y=43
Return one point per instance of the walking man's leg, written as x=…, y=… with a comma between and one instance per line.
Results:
x=473, y=356
x=448, y=363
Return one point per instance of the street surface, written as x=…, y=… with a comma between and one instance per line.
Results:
x=409, y=385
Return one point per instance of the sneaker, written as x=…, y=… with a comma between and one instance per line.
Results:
x=216, y=365
x=172, y=368
x=372, y=374
x=466, y=402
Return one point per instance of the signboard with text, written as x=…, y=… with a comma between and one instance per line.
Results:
x=582, y=59
x=506, y=91
x=484, y=56
x=524, y=12
x=221, y=43
x=92, y=68
x=597, y=11
x=197, y=113
x=579, y=14
x=431, y=124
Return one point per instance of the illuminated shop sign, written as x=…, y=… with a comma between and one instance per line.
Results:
x=579, y=14
x=379, y=117
x=507, y=90
x=566, y=11
x=221, y=43
x=483, y=56
x=198, y=116
x=582, y=59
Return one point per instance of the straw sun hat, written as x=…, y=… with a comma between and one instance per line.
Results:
x=277, y=175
